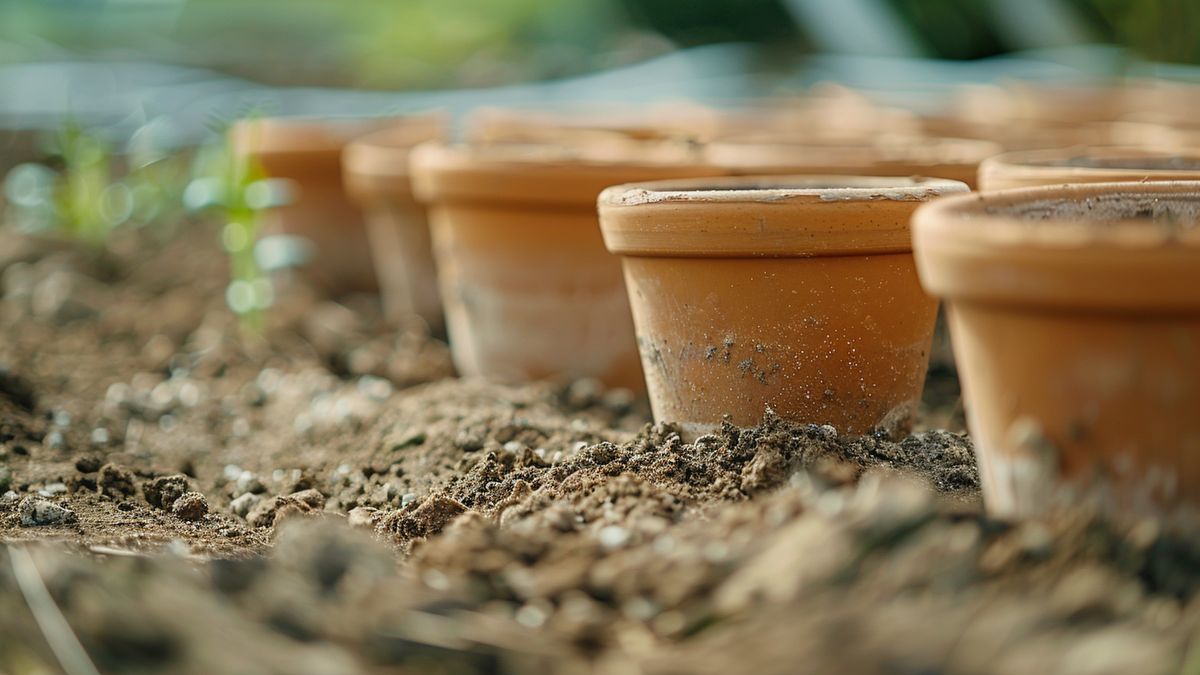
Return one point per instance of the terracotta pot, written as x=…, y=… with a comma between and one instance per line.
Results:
x=1085, y=165
x=1077, y=337
x=377, y=179
x=308, y=152
x=825, y=111
x=796, y=294
x=528, y=289
x=600, y=122
x=950, y=158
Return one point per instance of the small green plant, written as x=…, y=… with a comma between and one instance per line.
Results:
x=84, y=190
x=234, y=186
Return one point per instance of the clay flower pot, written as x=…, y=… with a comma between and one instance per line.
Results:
x=950, y=158
x=578, y=122
x=308, y=152
x=796, y=294
x=1076, y=326
x=1085, y=165
x=528, y=289
x=377, y=179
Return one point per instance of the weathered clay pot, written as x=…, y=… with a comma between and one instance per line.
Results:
x=1085, y=165
x=528, y=289
x=951, y=158
x=579, y=122
x=795, y=294
x=1076, y=327
x=377, y=179
x=308, y=152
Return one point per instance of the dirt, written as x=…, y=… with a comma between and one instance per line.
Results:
x=326, y=497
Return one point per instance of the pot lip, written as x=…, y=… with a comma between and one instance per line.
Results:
x=775, y=189
x=766, y=216
x=315, y=134
x=766, y=150
x=1051, y=262
x=946, y=222
x=1057, y=162
x=553, y=174
x=533, y=155
x=385, y=152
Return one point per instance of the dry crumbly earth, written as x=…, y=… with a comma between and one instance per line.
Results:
x=327, y=498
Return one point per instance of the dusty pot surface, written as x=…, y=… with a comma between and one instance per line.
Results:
x=528, y=289
x=308, y=152
x=905, y=155
x=794, y=294
x=600, y=122
x=377, y=179
x=1076, y=326
x=1085, y=165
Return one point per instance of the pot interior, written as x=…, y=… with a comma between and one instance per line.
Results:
x=1179, y=212
x=1163, y=163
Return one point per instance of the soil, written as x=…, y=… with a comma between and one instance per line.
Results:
x=325, y=497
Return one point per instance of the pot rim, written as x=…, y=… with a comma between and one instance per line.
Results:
x=852, y=152
x=552, y=174
x=316, y=134
x=766, y=216
x=378, y=163
x=1122, y=264
x=1055, y=164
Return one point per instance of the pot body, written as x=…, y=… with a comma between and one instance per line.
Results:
x=1053, y=394
x=321, y=214
x=375, y=171
x=840, y=340
x=1077, y=345
x=531, y=294
x=402, y=252
x=1035, y=168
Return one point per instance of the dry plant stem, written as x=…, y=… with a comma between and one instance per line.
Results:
x=59, y=636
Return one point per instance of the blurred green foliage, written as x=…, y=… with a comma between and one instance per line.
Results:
x=84, y=190
x=457, y=43
x=233, y=187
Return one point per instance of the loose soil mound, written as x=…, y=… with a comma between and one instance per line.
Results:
x=327, y=498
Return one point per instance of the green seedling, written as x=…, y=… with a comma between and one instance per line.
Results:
x=235, y=186
x=77, y=193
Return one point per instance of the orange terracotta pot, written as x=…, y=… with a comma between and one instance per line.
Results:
x=377, y=179
x=308, y=152
x=1076, y=326
x=1085, y=165
x=600, y=122
x=528, y=289
x=950, y=158
x=796, y=294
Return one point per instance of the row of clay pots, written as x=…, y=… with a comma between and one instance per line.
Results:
x=800, y=294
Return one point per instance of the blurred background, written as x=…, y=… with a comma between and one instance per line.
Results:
x=122, y=63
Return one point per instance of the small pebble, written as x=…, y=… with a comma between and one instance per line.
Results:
x=52, y=489
x=247, y=482
x=613, y=537
x=88, y=464
x=39, y=512
x=243, y=504
x=362, y=516
x=162, y=492
x=115, y=480
x=191, y=506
